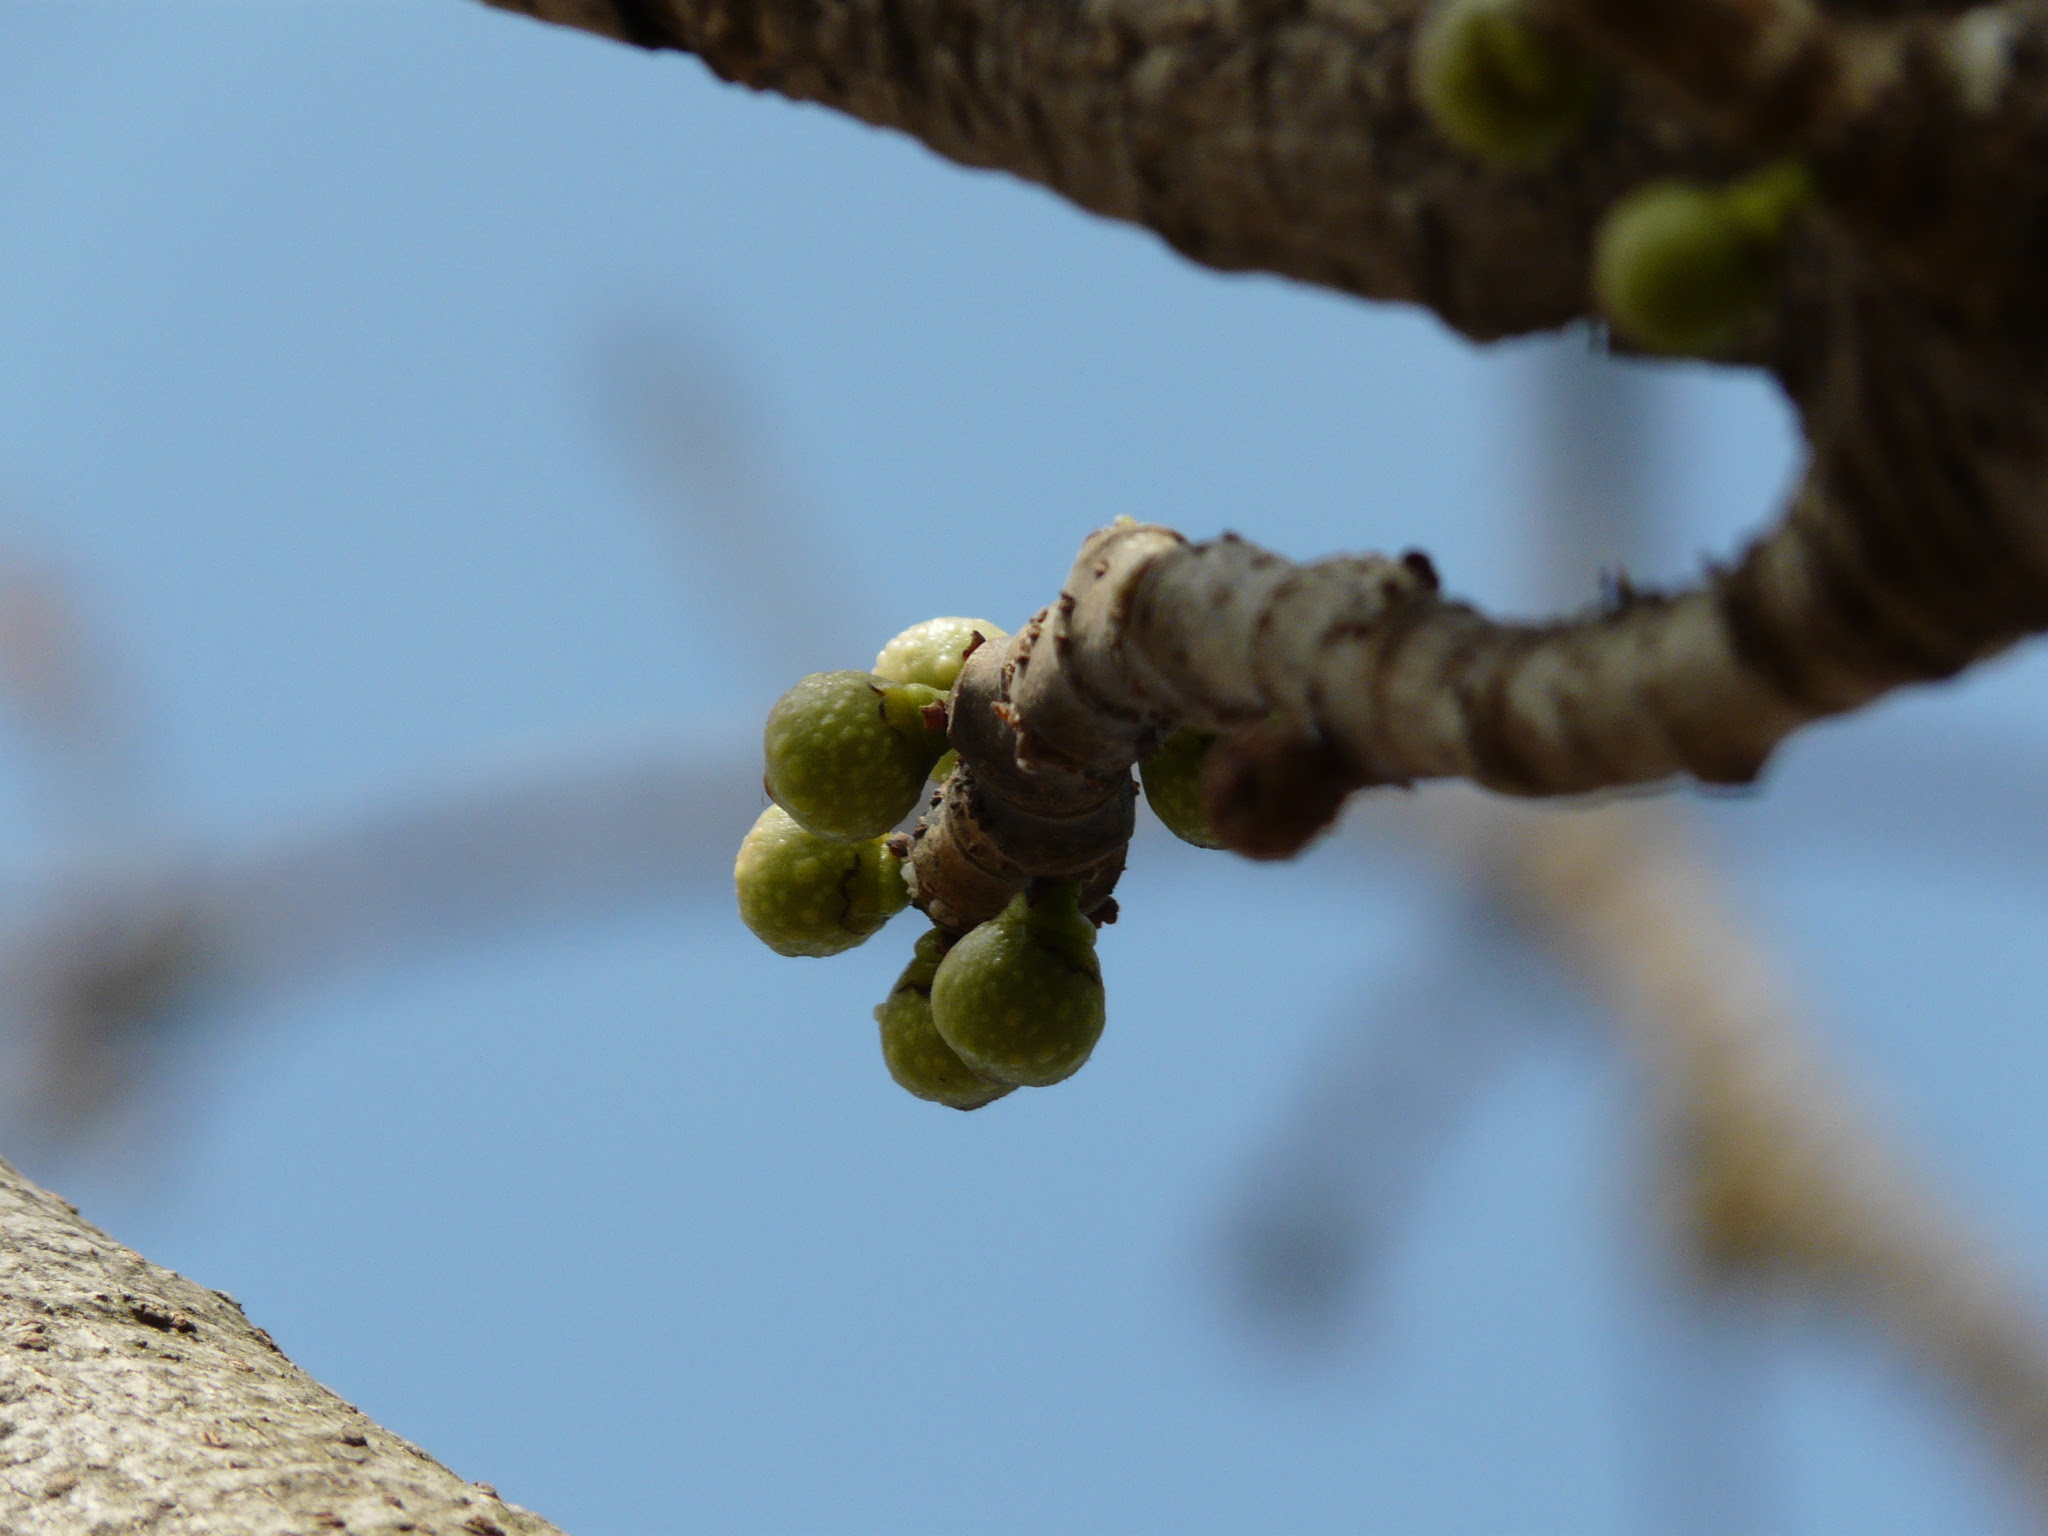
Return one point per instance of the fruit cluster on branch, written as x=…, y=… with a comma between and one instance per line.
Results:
x=1012, y=998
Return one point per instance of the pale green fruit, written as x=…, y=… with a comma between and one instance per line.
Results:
x=1679, y=267
x=918, y=1058
x=1495, y=87
x=848, y=752
x=931, y=652
x=1020, y=998
x=1172, y=777
x=805, y=895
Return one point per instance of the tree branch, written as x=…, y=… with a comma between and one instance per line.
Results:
x=1388, y=682
x=1271, y=137
x=133, y=1399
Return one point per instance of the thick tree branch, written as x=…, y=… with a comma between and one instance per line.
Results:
x=1282, y=136
x=1391, y=682
x=132, y=1399
x=1275, y=137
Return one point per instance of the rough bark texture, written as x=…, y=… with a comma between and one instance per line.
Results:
x=1357, y=671
x=1267, y=135
x=1281, y=135
x=132, y=1399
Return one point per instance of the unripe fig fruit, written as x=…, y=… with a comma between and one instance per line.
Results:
x=1020, y=998
x=1496, y=87
x=1172, y=777
x=848, y=752
x=806, y=895
x=931, y=652
x=917, y=1057
x=1680, y=267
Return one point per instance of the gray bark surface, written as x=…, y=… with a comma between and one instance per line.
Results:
x=133, y=1399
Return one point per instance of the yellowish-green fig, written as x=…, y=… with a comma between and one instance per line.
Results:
x=1020, y=999
x=807, y=895
x=1172, y=777
x=917, y=1056
x=1496, y=87
x=848, y=752
x=931, y=653
x=1682, y=267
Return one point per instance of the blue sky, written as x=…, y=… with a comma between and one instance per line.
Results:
x=306, y=312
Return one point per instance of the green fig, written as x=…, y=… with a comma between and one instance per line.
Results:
x=848, y=752
x=931, y=652
x=1020, y=998
x=917, y=1057
x=806, y=895
x=1496, y=87
x=1172, y=777
x=1681, y=267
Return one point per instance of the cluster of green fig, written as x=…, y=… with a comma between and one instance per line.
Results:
x=1018, y=1001
x=1678, y=267
x=848, y=755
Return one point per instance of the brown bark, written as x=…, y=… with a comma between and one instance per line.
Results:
x=133, y=1399
x=1282, y=137
x=1271, y=137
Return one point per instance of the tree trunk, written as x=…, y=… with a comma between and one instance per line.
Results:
x=133, y=1399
